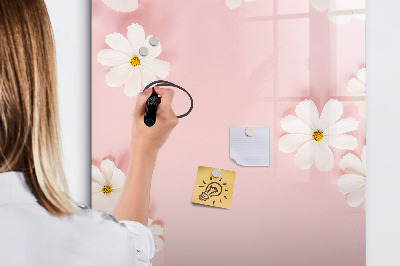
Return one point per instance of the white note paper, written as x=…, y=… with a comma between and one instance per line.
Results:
x=249, y=149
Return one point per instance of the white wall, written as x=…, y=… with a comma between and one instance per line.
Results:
x=383, y=133
x=71, y=22
x=71, y=25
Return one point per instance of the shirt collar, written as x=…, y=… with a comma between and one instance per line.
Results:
x=13, y=188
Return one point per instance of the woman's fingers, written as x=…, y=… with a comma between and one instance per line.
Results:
x=164, y=111
x=174, y=119
x=141, y=102
x=167, y=96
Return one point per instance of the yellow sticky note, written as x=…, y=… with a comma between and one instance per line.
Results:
x=211, y=191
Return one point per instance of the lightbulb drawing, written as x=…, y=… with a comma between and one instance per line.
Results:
x=213, y=189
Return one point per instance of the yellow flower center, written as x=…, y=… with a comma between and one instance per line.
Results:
x=106, y=189
x=317, y=136
x=135, y=61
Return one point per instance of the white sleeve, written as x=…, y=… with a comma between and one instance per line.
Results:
x=144, y=241
x=139, y=235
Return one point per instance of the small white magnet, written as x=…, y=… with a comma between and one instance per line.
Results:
x=249, y=131
x=216, y=173
x=154, y=41
x=143, y=51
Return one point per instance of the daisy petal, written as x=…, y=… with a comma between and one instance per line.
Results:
x=308, y=112
x=119, y=43
x=350, y=5
x=324, y=159
x=349, y=182
x=331, y=113
x=364, y=159
x=119, y=75
x=320, y=5
x=351, y=164
x=362, y=75
x=355, y=198
x=156, y=229
x=158, y=242
x=110, y=57
x=338, y=18
x=107, y=168
x=136, y=36
x=122, y=5
x=343, y=141
x=103, y=202
x=147, y=76
x=97, y=176
x=96, y=188
x=149, y=221
x=356, y=87
x=292, y=142
x=99, y=201
x=362, y=108
x=232, y=4
x=113, y=198
x=154, y=51
x=117, y=179
x=364, y=154
x=293, y=124
x=360, y=16
x=304, y=157
x=133, y=85
x=342, y=126
x=159, y=67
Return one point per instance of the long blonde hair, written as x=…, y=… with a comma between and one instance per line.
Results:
x=29, y=118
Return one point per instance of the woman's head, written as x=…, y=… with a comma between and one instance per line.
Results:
x=29, y=120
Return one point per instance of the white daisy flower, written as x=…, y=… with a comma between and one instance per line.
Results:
x=107, y=183
x=233, y=4
x=133, y=60
x=157, y=231
x=358, y=88
x=122, y=5
x=353, y=182
x=341, y=11
x=312, y=135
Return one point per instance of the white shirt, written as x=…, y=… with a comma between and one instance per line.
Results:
x=29, y=235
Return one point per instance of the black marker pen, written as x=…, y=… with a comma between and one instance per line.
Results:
x=151, y=109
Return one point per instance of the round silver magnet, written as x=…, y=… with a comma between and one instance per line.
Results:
x=154, y=41
x=143, y=51
x=249, y=131
x=216, y=173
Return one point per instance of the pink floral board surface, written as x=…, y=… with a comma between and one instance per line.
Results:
x=294, y=66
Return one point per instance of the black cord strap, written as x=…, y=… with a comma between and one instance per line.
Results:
x=164, y=83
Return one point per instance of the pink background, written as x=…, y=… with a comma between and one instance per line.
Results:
x=249, y=66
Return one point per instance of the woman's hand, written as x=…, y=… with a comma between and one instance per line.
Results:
x=133, y=203
x=148, y=140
